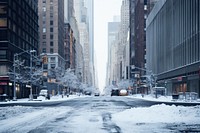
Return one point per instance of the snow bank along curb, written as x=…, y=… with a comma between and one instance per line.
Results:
x=166, y=100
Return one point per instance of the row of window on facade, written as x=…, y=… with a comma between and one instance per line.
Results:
x=44, y=30
x=19, y=15
x=45, y=66
x=44, y=44
x=44, y=1
x=23, y=42
x=44, y=50
x=24, y=4
x=44, y=36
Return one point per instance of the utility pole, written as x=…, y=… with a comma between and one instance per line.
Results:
x=14, y=65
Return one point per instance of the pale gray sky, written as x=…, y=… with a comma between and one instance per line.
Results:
x=104, y=10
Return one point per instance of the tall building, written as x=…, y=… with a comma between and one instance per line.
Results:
x=122, y=42
x=51, y=21
x=139, y=10
x=173, y=45
x=132, y=34
x=81, y=14
x=113, y=29
x=90, y=20
x=18, y=33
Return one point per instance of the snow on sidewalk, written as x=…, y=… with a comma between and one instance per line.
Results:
x=162, y=99
x=42, y=99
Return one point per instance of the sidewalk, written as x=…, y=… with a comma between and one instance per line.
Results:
x=166, y=100
x=40, y=100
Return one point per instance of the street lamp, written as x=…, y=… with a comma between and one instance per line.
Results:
x=31, y=90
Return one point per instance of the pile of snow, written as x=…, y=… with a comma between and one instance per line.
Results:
x=160, y=113
x=9, y=112
x=161, y=98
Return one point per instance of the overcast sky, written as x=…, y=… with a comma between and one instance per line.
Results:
x=104, y=10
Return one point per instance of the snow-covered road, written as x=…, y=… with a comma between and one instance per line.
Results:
x=99, y=115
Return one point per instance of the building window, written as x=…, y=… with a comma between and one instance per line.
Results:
x=3, y=35
x=51, y=43
x=51, y=36
x=51, y=22
x=44, y=43
x=51, y=8
x=44, y=50
x=3, y=22
x=145, y=7
x=51, y=15
x=44, y=36
x=51, y=50
x=3, y=9
x=45, y=66
x=53, y=59
x=44, y=17
x=51, y=29
x=44, y=30
x=44, y=9
x=44, y=1
x=2, y=54
x=53, y=66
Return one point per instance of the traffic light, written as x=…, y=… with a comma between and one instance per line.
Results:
x=44, y=59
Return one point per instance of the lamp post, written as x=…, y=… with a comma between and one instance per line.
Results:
x=31, y=90
x=14, y=91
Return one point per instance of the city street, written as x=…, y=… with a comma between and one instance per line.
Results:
x=101, y=115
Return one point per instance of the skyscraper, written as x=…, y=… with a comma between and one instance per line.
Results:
x=113, y=29
x=18, y=33
x=51, y=21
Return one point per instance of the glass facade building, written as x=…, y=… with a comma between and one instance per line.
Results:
x=173, y=44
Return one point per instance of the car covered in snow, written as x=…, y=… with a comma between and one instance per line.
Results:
x=123, y=92
x=44, y=93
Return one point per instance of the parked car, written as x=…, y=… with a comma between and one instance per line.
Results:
x=123, y=92
x=88, y=93
x=96, y=94
x=45, y=94
x=115, y=92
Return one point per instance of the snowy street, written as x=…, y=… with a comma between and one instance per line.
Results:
x=101, y=115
